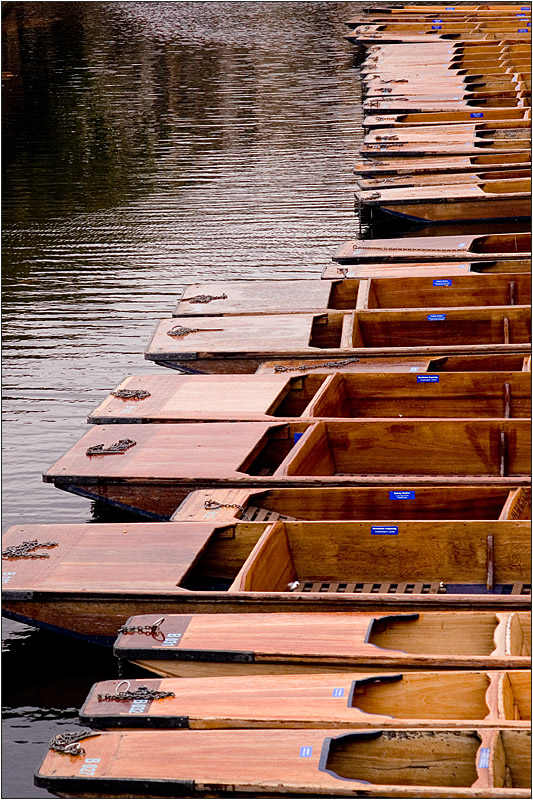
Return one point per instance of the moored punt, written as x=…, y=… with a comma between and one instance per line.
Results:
x=135, y=467
x=455, y=699
x=294, y=763
x=269, y=297
x=241, y=344
x=440, y=248
x=233, y=398
x=402, y=104
x=451, y=133
x=96, y=576
x=430, y=269
x=496, y=118
x=442, y=147
x=411, y=166
x=486, y=36
x=490, y=200
x=248, y=644
x=480, y=9
x=448, y=179
x=351, y=502
x=448, y=87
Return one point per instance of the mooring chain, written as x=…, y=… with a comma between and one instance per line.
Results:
x=214, y=505
x=373, y=196
x=180, y=330
x=26, y=549
x=391, y=138
x=325, y=365
x=131, y=394
x=149, y=630
x=68, y=743
x=113, y=449
x=142, y=693
x=206, y=298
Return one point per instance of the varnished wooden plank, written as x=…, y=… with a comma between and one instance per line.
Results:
x=454, y=699
x=275, y=763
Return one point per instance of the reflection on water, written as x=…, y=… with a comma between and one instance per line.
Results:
x=144, y=145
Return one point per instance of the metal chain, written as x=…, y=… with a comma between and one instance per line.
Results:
x=391, y=138
x=406, y=249
x=142, y=693
x=180, y=330
x=206, y=298
x=147, y=629
x=68, y=743
x=325, y=365
x=131, y=394
x=25, y=550
x=113, y=449
x=214, y=505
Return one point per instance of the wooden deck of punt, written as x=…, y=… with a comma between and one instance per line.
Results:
x=411, y=166
x=271, y=397
x=427, y=36
x=426, y=269
x=241, y=344
x=294, y=763
x=387, y=700
x=452, y=133
x=446, y=86
x=482, y=9
x=465, y=22
x=394, y=122
x=448, y=179
x=203, y=645
x=440, y=248
x=97, y=576
x=502, y=363
x=333, y=503
x=402, y=104
x=271, y=297
x=438, y=147
x=490, y=200
x=149, y=478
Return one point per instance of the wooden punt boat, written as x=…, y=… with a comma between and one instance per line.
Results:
x=272, y=397
x=483, y=9
x=294, y=763
x=482, y=36
x=150, y=479
x=398, y=28
x=208, y=644
x=509, y=362
x=97, y=576
x=269, y=297
x=440, y=248
x=451, y=133
x=441, y=147
x=387, y=700
x=446, y=86
x=333, y=503
x=440, y=53
x=402, y=104
x=448, y=179
x=509, y=199
x=497, y=118
x=411, y=166
x=241, y=344
x=425, y=269
x=416, y=21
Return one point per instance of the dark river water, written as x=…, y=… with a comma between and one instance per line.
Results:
x=144, y=145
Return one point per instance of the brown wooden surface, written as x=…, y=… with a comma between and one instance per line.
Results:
x=270, y=763
x=178, y=398
x=252, y=297
x=429, y=640
x=496, y=246
x=425, y=269
x=422, y=699
x=464, y=290
x=443, y=164
x=335, y=503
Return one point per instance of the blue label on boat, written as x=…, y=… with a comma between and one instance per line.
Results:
x=477, y=115
x=461, y=244
x=521, y=16
x=436, y=317
x=297, y=436
x=523, y=30
x=427, y=378
x=442, y=282
x=437, y=20
x=407, y=495
x=436, y=27
x=450, y=8
x=338, y=692
x=306, y=752
x=384, y=530
x=484, y=755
